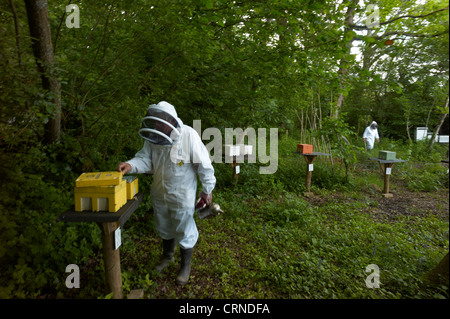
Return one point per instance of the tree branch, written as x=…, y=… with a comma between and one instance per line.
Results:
x=410, y=34
x=16, y=29
x=413, y=16
x=58, y=31
x=363, y=27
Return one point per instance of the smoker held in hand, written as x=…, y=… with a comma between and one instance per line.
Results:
x=207, y=210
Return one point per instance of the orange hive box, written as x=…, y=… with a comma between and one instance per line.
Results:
x=304, y=148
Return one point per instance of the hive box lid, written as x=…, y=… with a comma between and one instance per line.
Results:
x=129, y=178
x=108, y=189
x=99, y=179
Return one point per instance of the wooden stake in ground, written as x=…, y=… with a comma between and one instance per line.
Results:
x=111, y=258
x=387, y=172
x=309, y=161
x=309, y=158
x=386, y=168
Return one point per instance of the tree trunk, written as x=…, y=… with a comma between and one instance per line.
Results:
x=344, y=63
x=16, y=30
x=438, y=127
x=439, y=274
x=39, y=25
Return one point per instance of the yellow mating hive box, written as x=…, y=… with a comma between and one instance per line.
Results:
x=132, y=186
x=100, y=191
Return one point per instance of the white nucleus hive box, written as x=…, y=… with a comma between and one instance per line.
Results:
x=245, y=149
x=100, y=191
x=232, y=150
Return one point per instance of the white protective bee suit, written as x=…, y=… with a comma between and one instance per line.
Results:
x=370, y=134
x=174, y=155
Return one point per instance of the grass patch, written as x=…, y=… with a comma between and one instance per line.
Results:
x=281, y=246
x=271, y=242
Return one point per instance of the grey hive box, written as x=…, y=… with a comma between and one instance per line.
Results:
x=386, y=155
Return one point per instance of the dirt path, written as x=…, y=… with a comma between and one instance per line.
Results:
x=404, y=202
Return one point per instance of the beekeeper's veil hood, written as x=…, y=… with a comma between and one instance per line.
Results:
x=161, y=124
x=373, y=125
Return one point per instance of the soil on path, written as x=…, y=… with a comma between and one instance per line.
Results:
x=404, y=203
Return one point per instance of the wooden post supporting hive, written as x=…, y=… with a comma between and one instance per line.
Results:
x=309, y=158
x=235, y=160
x=111, y=258
x=109, y=222
x=387, y=172
x=386, y=168
x=309, y=161
x=236, y=170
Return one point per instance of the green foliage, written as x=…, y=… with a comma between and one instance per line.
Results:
x=35, y=247
x=230, y=64
x=339, y=133
x=426, y=177
x=419, y=152
x=280, y=246
x=393, y=84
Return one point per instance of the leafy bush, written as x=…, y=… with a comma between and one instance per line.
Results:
x=35, y=247
x=420, y=152
x=426, y=177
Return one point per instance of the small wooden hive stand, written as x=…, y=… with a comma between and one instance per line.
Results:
x=103, y=198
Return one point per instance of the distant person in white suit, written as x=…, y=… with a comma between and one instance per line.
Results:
x=370, y=135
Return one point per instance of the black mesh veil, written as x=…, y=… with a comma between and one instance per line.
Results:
x=159, y=127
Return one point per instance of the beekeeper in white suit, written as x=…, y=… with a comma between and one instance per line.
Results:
x=174, y=153
x=370, y=135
